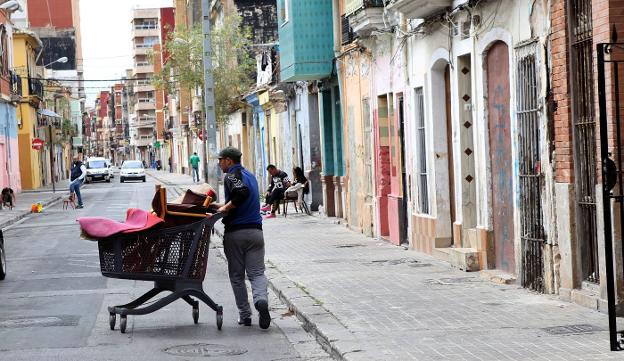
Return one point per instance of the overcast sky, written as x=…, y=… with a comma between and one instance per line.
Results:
x=106, y=39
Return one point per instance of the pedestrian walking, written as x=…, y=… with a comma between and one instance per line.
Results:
x=194, y=161
x=243, y=240
x=77, y=176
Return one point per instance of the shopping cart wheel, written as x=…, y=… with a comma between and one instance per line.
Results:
x=219, y=317
x=122, y=324
x=112, y=318
x=196, y=314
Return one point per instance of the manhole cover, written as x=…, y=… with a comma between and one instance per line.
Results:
x=204, y=350
x=43, y=321
x=351, y=245
x=572, y=329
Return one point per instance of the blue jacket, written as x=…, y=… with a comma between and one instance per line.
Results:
x=241, y=188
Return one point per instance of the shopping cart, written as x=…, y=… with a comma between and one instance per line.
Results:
x=174, y=258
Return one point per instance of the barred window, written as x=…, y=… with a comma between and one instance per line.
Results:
x=421, y=146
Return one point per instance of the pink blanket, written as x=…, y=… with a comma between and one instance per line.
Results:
x=136, y=220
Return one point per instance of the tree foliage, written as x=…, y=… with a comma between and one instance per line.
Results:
x=231, y=60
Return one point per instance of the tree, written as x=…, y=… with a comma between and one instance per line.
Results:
x=232, y=63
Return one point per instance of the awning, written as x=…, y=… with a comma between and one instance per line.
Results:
x=48, y=113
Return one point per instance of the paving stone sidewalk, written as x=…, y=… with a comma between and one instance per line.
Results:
x=365, y=299
x=24, y=200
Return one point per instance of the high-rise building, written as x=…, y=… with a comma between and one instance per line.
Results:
x=145, y=34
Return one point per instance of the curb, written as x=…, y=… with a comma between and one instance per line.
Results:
x=25, y=214
x=309, y=311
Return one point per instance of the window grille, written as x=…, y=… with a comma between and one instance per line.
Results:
x=584, y=133
x=423, y=184
x=530, y=174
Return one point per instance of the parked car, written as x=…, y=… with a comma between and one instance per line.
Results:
x=132, y=170
x=97, y=170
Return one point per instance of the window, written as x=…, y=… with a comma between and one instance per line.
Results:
x=421, y=146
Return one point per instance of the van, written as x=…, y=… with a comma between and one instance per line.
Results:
x=97, y=170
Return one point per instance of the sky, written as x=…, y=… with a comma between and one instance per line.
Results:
x=106, y=39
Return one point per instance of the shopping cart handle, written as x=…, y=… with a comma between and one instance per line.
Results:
x=213, y=218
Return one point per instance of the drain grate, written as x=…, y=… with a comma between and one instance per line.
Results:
x=41, y=321
x=572, y=329
x=351, y=245
x=204, y=350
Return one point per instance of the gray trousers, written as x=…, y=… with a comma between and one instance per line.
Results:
x=244, y=250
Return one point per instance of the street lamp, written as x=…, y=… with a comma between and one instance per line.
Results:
x=11, y=6
x=62, y=60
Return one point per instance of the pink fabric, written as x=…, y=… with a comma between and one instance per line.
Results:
x=136, y=220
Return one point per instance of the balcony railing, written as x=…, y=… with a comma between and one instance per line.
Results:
x=145, y=27
x=352, y=6
x=144, y=140
x=35, y=87
x=419, y=9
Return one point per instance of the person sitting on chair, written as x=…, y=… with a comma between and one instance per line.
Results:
x=276, y=190
x=300, y=186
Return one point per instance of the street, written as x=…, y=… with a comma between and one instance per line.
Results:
x=53, y=303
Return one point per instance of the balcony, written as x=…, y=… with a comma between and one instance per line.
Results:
x=16, y=86
x=145, y=104
x=311, y=59
x=144, y=85
x=143, y=140
x=35, y=87
x=365, y=16
x=142, y=49
x=145, y=122
x=143, y=67
x=352, y=6
x=139, y=30
x=419, y=9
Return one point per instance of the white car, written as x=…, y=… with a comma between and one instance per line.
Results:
x=97, y=170
x=132, y=170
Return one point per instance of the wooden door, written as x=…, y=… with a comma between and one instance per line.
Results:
x=499, y=123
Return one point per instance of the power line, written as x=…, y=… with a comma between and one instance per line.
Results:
x=89, y=80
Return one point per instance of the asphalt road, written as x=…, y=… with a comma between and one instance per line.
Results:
x=53, y=303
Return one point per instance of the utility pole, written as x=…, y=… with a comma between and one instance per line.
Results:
x=210, y=122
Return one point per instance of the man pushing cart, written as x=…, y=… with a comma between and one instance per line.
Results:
x=169, y=246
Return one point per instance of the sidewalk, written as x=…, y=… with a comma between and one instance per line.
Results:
x=24, y=201
x=365, y=299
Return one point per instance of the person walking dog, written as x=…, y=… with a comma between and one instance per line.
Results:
x=243, y=240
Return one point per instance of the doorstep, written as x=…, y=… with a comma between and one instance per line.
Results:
x=465, y=259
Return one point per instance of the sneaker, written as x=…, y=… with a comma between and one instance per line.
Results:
x=80, y=206
x=265, y=208
x=245, y=321
x=272, y=215
x=264, y=319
